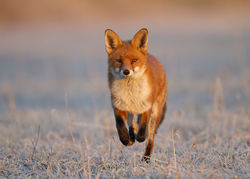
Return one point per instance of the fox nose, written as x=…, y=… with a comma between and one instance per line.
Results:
x=126, y=72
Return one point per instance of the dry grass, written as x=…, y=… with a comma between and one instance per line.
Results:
x=214, y=146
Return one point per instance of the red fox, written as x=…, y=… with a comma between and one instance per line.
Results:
x=138, y=86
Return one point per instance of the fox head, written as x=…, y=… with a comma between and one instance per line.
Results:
x=127, y=59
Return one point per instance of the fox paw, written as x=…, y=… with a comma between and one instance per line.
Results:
x=141, y=136
x=146, y=159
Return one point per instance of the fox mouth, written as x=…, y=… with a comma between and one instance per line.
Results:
x=125, y=76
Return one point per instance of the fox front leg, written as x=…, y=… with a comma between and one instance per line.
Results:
x=143, y=126
x=121, y=117
x=133, y=128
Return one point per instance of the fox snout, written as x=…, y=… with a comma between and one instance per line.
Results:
x=126, y=68
x=126, y=72
x=123, y=72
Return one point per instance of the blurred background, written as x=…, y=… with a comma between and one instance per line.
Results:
x=52, y=50
x=55, y=111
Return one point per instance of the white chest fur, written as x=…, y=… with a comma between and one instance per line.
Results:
x=131, y=95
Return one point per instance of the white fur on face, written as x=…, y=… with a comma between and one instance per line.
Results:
x=138, y=72
x=136, y=69
x=116, y=72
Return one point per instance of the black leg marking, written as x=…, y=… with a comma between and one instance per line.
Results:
x=141, y=136
x=131, y=134
x=149, y=148
x=122, y=131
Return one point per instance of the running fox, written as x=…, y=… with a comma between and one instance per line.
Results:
x=138, y=86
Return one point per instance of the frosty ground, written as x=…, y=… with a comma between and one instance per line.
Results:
x=56, y=119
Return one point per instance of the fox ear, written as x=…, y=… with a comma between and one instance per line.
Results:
x=140, y=40
x=112, y=41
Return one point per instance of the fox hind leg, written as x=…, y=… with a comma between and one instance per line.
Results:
x=150, y=140
x=154, y=121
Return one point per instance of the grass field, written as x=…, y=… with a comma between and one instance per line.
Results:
x=56, y=118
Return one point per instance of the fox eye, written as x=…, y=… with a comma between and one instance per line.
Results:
x=119, y=60
x=134, y=60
